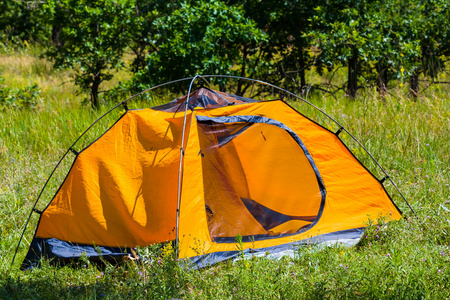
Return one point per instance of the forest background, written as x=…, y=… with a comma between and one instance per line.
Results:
x=379, y=67
x=381, y=44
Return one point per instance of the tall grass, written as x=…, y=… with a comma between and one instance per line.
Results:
x=406, y=259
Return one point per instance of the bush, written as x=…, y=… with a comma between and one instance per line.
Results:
x=26, y=97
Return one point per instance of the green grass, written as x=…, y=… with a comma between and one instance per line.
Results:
x=406, y=259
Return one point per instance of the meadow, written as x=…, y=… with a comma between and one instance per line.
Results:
x=404, y=259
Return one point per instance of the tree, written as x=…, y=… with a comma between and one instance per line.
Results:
x=391, y=42
x=432, y=32
x=285, y=58
x=383, y=40
x=92, y=39
x=205, y=37
x=142, y=32
x=338, y=31
x=17, y=21
x=293, y=25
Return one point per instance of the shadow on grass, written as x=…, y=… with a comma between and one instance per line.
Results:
x=102, y=287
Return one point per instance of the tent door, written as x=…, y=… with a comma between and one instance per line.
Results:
x=259, y=179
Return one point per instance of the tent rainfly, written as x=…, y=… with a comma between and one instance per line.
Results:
x=201, y=171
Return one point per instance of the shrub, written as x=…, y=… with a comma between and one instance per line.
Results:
x=24, y=97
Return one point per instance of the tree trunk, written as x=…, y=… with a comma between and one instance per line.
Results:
x=352, y=84
x=414, y=85
x=239, y=90
x=302, y=71
x=94, y=90
x=382, y=80
x=222, y=87
x=56, y=31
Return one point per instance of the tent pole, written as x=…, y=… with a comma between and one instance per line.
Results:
x=180, y=170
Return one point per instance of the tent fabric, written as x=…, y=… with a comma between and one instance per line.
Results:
x=65, y=252
x=114, y=189
x=346, y=237
x=203, y=98
x=292, y=173
x=258, y=169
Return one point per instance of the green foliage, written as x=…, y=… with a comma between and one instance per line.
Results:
x=92, y=39
x=286, y=58
x=18, y=23
x=387, y=39
x=382, y=44
x=201, y=38
x=433, y=33
x=142, y=31
x=26, y=97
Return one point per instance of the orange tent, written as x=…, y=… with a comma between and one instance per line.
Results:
x=255, y=169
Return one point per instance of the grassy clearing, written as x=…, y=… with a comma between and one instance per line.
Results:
x=406, y=259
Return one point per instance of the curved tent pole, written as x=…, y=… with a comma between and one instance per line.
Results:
x=33, y=209
x=180, y=170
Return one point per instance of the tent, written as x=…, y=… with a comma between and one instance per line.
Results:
x=204, y=170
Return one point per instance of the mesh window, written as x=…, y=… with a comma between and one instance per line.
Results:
x=257, y=181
